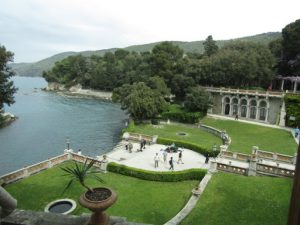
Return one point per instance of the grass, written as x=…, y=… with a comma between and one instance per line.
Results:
x=244, y=136
x=195, y=135
x=239, y=200
x=138, y=200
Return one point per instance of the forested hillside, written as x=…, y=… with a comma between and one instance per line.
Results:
x=37, y=68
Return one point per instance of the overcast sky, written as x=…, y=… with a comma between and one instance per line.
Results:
x=36, y=29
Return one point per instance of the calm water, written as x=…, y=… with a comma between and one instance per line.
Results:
x=46, y=120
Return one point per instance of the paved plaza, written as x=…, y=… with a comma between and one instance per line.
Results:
x=145, y=159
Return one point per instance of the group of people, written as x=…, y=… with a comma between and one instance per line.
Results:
x=171, y=161
x=128, y=146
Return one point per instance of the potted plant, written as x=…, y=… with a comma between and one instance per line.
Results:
x=95, y=199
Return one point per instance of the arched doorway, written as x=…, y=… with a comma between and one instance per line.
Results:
x=253, y=105
x=244, y=108
x=227, y=106
x=235, y=103
x=262, y=110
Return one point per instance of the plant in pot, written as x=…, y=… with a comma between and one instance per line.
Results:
x=95, y=199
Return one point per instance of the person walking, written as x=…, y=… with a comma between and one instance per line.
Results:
x=130, y=146
x=165, y=154
x=156, y=159
x=180, y=157
x=297, y=132
x=171, y=162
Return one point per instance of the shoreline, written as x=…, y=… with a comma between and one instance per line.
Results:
x=8, y=118
x=77, y=90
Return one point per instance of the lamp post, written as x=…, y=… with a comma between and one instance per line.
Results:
x=68, y=143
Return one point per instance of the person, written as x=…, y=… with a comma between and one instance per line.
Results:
x=297, y=132
x=171, y=162
x=141, y=145
x=180, y=157
x=236, y=117
x=165, y=154
x=144, y=143
x=79, y=152
x=156, y=159
x=130, y=146
x=206, y=158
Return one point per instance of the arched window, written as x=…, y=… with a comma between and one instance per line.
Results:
x=253, y=105
x=235, y=103
x=262, y=110
x=227, y=106
x=244, y=108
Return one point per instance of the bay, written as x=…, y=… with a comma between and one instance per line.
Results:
x=46, y=120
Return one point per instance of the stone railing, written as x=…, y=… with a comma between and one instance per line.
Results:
x=29, y=170
x=138, y=137
x=276, y=157
x=38, y=167
x=274, y=170
x=235, y=156
x=231, y=168
x=218, y=133
x=261, y=162
x=277, y=94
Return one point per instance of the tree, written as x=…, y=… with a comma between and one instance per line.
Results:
x=290, y=64
x=210, y=46
x=158, y=84
x=7, y=88
x=166, y=61
x=180, y=84
x=238, y=64
x=197, y=99
x=139, y=100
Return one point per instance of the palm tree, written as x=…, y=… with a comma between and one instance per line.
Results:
x=80, y=173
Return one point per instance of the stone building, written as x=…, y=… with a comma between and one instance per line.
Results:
x=260, y=106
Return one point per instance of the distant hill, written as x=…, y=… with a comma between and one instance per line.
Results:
x=37, y=68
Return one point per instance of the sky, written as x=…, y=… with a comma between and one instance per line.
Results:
x=37, y=29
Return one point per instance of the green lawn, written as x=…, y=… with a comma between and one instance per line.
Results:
x=239, y=200
x=138, y=200
x=195, y=135
x=244, y=136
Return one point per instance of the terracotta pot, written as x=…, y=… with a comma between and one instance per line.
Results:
x=98, y=217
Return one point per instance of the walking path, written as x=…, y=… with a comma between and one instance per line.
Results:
x=145, y=159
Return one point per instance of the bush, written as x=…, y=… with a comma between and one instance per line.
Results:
x=292, y=109
x=155, y=121
x=191, y=146
x=191, y=174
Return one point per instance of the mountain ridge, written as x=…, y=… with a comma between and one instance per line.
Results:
x=37, y=68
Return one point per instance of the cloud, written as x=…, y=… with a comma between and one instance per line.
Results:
x=35, y=29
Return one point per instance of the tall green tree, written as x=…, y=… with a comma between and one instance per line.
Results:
x=166, y=60
x=7, y=88
x=210, y=46
x=290, y=64
x=140, y=101
x=197, y=99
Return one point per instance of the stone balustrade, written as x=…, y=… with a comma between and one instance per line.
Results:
x=38, y=167
x=138, y=137
x=261, y=162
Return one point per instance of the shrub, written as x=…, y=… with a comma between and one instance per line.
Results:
x=188, y=145
x=131, y=127
x=292, y=109
x=155, y=121
x=174, y=176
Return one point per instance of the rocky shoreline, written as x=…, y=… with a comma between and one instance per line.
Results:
x=77, y=90
x=8, y=118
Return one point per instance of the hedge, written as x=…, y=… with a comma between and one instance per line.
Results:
x=188, y=145
x=174, y=176
x=184, y=117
